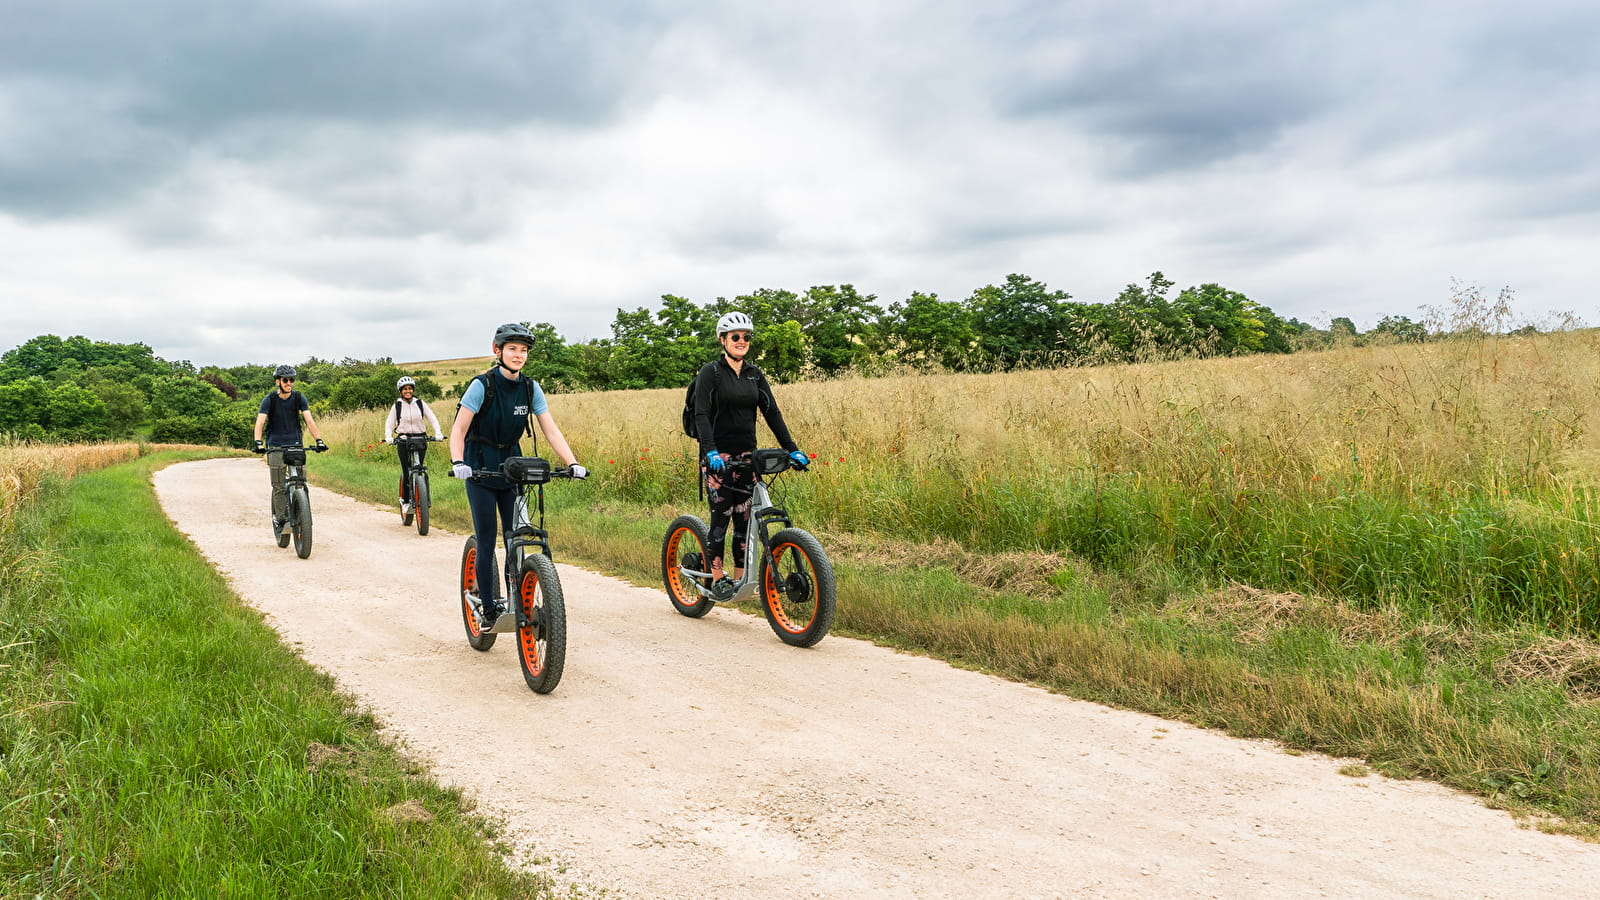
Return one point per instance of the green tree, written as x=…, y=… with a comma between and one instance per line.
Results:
x=23, y=403
x=838, y=324
x=664, y=349
x=174, y=396
x=764, y=306
x=125, y=406
x=374, y=388
x=76, y=414
x=1221, y=322
x=689, y=331
x=594, y=364
x=251, y=379
x=45, y=354
x=636, y=355
x=783, y=351
x=1401, y=330
x=1281, y=335
x=1019, y=323
x=929, y=331
x=551, y=362
x=1142, y=323
x=40, y=356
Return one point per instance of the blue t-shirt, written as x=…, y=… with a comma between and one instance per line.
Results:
x=283, y=417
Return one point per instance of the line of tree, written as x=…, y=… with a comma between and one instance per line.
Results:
x=76, y=389
x=829, y=330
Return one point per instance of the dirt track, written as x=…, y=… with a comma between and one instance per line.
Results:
x=692, y=759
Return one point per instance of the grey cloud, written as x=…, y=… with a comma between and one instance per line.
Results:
x=65, y=149
x=106, y=97
x=201, y=67
x=1177, y=101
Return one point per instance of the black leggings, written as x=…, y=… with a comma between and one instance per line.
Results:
x=484, y=503
x=404, y=452
x=729, y=492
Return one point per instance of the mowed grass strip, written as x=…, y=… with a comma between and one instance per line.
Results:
x=159, y=740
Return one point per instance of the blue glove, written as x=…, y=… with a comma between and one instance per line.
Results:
x=800, y=459
x=714, y=461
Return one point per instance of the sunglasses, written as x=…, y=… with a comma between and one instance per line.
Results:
x=741, y=338
x=290, y=380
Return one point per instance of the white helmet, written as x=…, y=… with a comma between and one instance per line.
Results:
x=735, y=321
x=404, y=380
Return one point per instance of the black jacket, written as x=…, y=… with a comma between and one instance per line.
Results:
x=725, y=407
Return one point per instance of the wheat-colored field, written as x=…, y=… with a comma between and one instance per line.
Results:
x=1506, y=412
x=448, y=372
x=24, y=467
x=1465, y=469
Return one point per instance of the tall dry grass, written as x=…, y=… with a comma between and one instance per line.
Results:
x=1460, y=475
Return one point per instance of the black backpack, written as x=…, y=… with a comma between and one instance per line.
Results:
x=749, y=371
x=688, y=409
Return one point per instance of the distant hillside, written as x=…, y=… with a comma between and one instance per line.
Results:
x=448, y=372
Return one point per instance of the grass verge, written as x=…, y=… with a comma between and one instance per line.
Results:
x=160, y=740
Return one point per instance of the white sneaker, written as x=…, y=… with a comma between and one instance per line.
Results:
x=405, y=508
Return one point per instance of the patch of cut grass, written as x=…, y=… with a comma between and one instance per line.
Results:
x=164, y=742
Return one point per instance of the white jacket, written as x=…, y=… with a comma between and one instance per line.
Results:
x=410, y=420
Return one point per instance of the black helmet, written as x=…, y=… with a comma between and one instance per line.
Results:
x=513, y=331
x=283, y=372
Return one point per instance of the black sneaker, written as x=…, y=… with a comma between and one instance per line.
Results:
x=723, y=589
x=491, y=612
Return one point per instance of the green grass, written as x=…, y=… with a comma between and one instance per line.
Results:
x=159, y=739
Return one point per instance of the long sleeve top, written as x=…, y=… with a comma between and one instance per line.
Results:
x=407, y=417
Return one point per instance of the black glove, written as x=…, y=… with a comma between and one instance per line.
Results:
x=261, y=446
x=321, y=446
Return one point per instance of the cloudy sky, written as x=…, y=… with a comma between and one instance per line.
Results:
x=259, y=181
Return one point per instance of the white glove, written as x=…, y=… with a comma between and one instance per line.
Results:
x=461, y=470
x=579, y=471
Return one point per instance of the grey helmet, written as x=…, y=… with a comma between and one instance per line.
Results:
x=513, y=331
x=735, y=321
x=283, y=372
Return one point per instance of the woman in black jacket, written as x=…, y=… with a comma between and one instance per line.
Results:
x=728, y=392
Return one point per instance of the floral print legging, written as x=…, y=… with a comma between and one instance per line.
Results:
x=729, y=492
